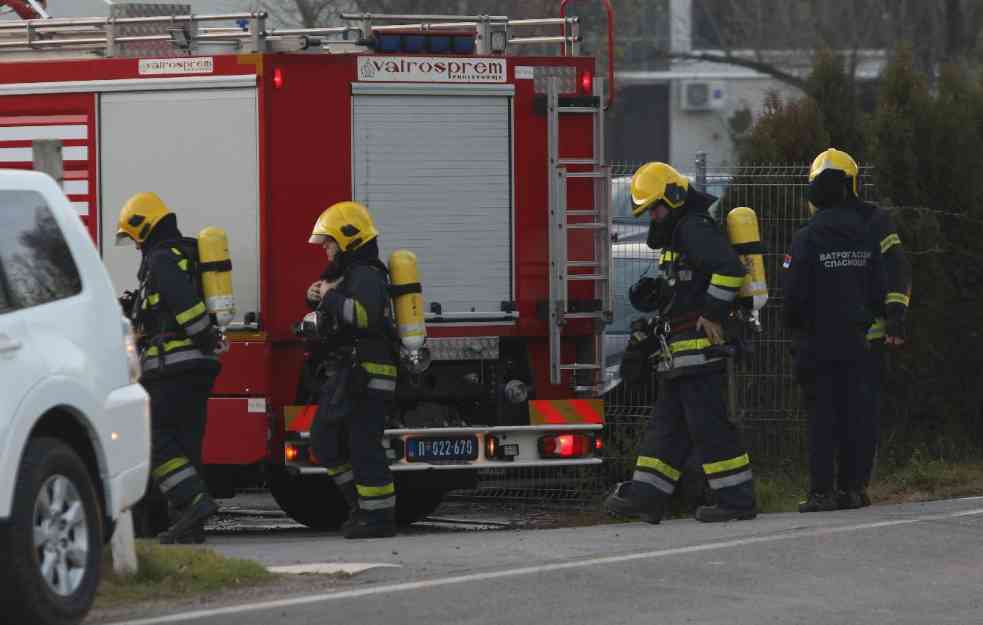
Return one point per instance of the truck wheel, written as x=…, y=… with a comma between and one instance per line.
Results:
x=413, y=504
x=51, y=547
x=311, y=500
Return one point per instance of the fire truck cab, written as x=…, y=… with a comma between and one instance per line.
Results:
x=487, y=164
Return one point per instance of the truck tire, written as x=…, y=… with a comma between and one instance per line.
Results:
x=51, y=547
x=311, y=500
x=415, y=504
x=314, y=501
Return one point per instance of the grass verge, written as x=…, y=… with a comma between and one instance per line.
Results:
x=174, y=571
x=919, y=479
x=923, y=479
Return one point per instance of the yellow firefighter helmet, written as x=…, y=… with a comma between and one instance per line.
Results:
x=836, y=160
x=655, y=182
x=348, y=223
x=138, y=217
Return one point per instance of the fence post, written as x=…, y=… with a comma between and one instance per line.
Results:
x=701, y=171
x=46, y=154
x=124, y=546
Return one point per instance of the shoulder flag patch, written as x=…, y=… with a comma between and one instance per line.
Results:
x=787, y=262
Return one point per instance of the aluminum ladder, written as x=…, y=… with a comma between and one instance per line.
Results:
x=157, y=23
x=564, y=220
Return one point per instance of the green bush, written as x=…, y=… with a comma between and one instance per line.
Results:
x=922, y=143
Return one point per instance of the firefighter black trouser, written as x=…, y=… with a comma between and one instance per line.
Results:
x=842, y=424
x=178, y=409
x=691, y=416
x=347, y=440
x=873, y=375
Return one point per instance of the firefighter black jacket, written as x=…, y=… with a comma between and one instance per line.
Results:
x=897, y=272
x=834, y=285
x=361, y=308
x=707, y=275
x=177, y=333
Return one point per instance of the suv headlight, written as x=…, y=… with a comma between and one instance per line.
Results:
x=132, y=355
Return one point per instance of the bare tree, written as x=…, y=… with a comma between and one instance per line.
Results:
x=303, y=13
x=779, y=38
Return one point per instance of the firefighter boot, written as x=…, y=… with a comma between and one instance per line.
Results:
x=351, y=499
x=852, y=499
x=374, y=525
x=623, y=503
x=196, y=536
x=192, y=517
x=819, y=502
x=721, y=514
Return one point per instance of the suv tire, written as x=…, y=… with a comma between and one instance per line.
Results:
x=56, y=505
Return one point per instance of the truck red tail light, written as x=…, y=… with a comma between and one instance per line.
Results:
x=587, y=83
x=491, y=447
x=278, y=78
x=565, y=445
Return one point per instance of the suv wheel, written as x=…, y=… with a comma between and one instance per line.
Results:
x=52, y=546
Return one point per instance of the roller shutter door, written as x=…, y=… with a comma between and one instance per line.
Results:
x=436, y=171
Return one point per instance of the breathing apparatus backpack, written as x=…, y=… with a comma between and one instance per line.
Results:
x=407, y=294
x=215, y=274
x=745, y=237
x=211, y=272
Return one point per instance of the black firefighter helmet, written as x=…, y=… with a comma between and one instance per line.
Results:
x=650, y=294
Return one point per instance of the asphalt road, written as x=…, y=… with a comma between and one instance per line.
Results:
x=908, y=564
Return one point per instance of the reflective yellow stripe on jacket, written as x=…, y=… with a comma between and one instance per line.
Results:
x=195, y=311
x=169, y=346
x=897, y=298
x=889, y=241
x=689, y=345
x=878, y=330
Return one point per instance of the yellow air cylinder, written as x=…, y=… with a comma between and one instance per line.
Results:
x=408, y=298
x=744, y=235
x=216, y=274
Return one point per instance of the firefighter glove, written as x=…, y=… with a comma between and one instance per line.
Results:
x=211, y=341
x=636, y=361
x=314, y=292
x=318, y=325
x=126, y=302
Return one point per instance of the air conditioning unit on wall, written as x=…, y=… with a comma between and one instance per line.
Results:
x=703, y=95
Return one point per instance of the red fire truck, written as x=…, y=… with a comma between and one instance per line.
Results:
x=487, y=164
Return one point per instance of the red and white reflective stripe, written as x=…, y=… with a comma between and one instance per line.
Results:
x=17, y=133
x=563, y=411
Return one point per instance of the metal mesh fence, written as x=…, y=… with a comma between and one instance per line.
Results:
x=768, y=408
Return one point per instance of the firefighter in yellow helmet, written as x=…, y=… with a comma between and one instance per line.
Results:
x=700, y=277
x=353, y=321
x=179, y=347
x=845, y=273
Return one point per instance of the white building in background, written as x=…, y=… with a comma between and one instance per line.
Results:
x=693, y=106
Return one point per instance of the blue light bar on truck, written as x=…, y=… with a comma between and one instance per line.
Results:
x=415, y=43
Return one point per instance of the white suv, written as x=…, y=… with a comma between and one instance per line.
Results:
x=74, y=423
